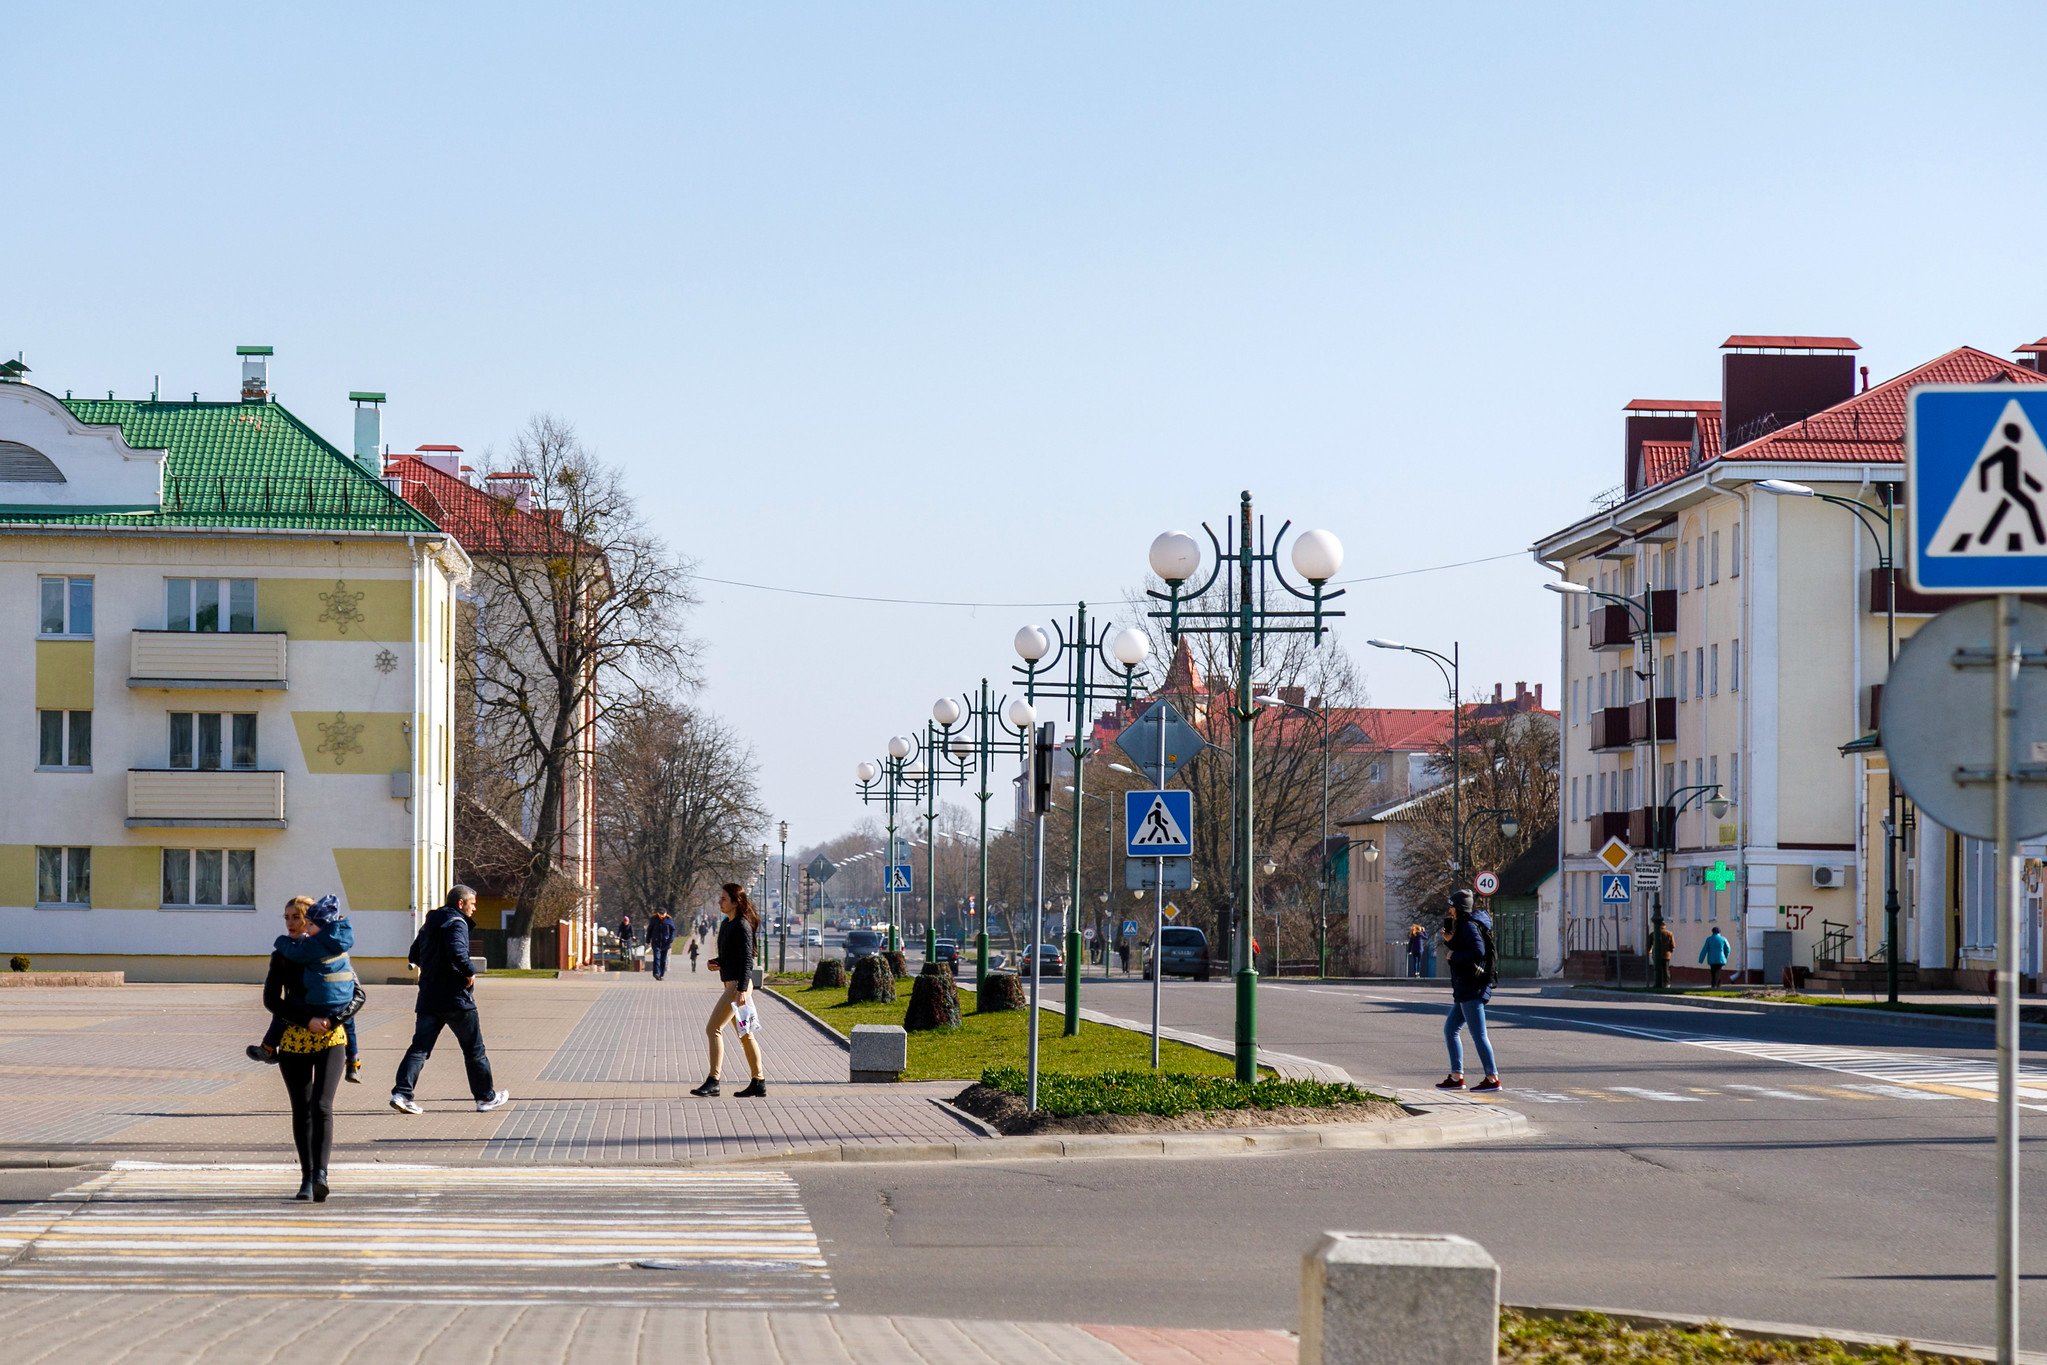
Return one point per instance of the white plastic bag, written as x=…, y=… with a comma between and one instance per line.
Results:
x=746, y=1020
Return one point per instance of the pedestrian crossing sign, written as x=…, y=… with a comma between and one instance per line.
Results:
x=1976, y=487
x=899, y=877
x=1159, y=824
x=1614, y=888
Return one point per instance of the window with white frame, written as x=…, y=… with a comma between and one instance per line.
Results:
x=1716, y=559
x=64, y=876
x=1699, y=687
x=66, y=607
x=210, y=740
x=1734, y=779
x=1734, y=558
x=64, y=740
x=1713, y=671
x=1375, y=772
x=209, y=604
x=210, y=878
x=1734, y=665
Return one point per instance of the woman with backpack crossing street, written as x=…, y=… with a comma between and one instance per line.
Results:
x=1474, y=967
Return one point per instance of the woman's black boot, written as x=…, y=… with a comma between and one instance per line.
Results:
x=757, y=1089
x=305, y=1188
x=319, y=1187
x=708, y=1088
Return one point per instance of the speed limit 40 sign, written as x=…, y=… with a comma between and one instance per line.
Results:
x=1486, y=883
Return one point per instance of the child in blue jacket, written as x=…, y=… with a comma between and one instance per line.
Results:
x=330, y=981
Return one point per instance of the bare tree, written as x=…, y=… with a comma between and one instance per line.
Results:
x=1506, y=762
x=581, y=614
x=678, y=807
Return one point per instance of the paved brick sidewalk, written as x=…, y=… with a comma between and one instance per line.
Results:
x=173, y=1329
x=599, y=1068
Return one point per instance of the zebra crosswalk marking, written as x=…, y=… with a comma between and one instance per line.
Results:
x=1767, y=1093
x=1641, y=1092
x=673, y=1237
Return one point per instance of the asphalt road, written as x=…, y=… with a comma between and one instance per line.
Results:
x=1684, y=1159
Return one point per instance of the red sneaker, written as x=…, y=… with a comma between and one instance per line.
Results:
x=1489, y=1083
x=1450, y=1083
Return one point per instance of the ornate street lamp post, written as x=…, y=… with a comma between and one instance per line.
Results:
x=1244, y=618
x=985, y=717
x=891, y=783
x=1084, y=647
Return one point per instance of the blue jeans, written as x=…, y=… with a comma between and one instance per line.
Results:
x=660, y=960
x=1470, y=1012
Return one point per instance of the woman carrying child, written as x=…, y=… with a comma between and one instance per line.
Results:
x=330, y=976
x=310, y=1047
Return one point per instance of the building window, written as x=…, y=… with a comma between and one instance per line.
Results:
x=1700, y=576
x=218, y=878
x=1734, y=665
x=64, y=876
x=67, y=606
x=1716, y=559
x=1684, y=770
x=1734, y=544
x=1734, y=779
x=1699, y=686
x=1574, y=701
x=210, y=740
x=1670, y=676
x=1713, y=672
x=209, y=604
x=1375, y=772
x=66, y=739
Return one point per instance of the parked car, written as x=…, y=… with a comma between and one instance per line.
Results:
x=947, y=950
x=862, y=943
x=1184, y=953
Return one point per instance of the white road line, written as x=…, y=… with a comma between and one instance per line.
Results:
x=1897, y=1092
x=1664, y=1095
x=1768, y=1093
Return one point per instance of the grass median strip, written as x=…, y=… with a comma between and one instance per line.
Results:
x=1168, y=1094
x=993, y=1040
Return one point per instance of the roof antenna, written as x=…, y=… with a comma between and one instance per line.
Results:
x=1865, y=379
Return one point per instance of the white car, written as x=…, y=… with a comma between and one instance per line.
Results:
x=814, y=939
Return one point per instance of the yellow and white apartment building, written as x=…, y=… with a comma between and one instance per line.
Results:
x=232, y=681
x=1767, y=671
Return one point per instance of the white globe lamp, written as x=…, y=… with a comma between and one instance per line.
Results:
x=1022, y=714
x=1175, y=556
x=866, y=772
x=1032, y=644
x=1318, y=556
x=945, y=711
x=900, y=746
x=1131, y=646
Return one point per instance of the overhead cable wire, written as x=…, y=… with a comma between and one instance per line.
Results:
x=932, y=602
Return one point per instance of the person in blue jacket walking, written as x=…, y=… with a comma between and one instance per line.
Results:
x=1714, y=954
x=446, y=1000
x=1474, y=966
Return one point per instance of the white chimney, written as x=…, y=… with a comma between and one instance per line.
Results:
x=369, y=431
x=255, y=372
x=516, y=489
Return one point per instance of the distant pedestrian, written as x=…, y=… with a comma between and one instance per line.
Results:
x=660, y=937
x=1417, y=949
x=1714, y=954
x=692, y=954
x=1474, y=967
x=1123, y=952
x=737, y=937
x=1662, y=944
x=625, y=931
x=446, y=1000
x=310, y=1050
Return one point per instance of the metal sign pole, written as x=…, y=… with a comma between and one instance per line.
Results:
x=1041, y=782
x=1158, y=910
x=2004, y=710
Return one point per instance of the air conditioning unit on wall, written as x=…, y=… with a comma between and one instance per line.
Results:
x=1829, y=875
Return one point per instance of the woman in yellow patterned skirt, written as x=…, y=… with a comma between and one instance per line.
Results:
x=310, y=1057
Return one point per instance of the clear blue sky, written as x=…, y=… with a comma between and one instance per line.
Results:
x=969, y=302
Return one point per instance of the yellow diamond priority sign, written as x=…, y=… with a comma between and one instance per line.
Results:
x=1616, y=854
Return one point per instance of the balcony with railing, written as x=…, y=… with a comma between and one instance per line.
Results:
x=1611, y=729
x=187, y=798
x=1649, y=828
x=1616, y=627
x=1609, y=824
x=226, y=660
x=1666, y=720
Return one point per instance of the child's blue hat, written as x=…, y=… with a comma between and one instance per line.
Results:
x=325, y=911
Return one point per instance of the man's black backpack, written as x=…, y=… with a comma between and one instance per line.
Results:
x=1487, y=972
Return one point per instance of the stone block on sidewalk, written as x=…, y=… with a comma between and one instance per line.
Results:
x=881, y=1052
x=1392, y=1298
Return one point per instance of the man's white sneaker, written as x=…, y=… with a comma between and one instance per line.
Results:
x=405, y=1104
x=485, y=1106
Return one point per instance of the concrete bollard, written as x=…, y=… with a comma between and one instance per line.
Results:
x=881, y=1052
x=1399, y=1298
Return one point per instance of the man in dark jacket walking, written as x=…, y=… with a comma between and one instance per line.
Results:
x=1468, y=934
x=660, y=937
x=446, y=1000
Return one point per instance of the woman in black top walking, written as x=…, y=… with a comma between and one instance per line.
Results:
x=310, y=1057
x=734, y=965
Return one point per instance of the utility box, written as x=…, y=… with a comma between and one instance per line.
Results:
x=1776, y=955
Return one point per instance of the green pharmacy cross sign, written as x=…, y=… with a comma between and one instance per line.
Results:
x=1721, y=875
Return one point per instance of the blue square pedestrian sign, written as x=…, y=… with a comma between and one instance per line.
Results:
x=1615, y=889
x=898, y=876
x=1976, y=487
x=1158, y=824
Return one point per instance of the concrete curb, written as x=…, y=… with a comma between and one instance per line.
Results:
x=845, y=1044
x=1766, y=1331
x=1940, y=1022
